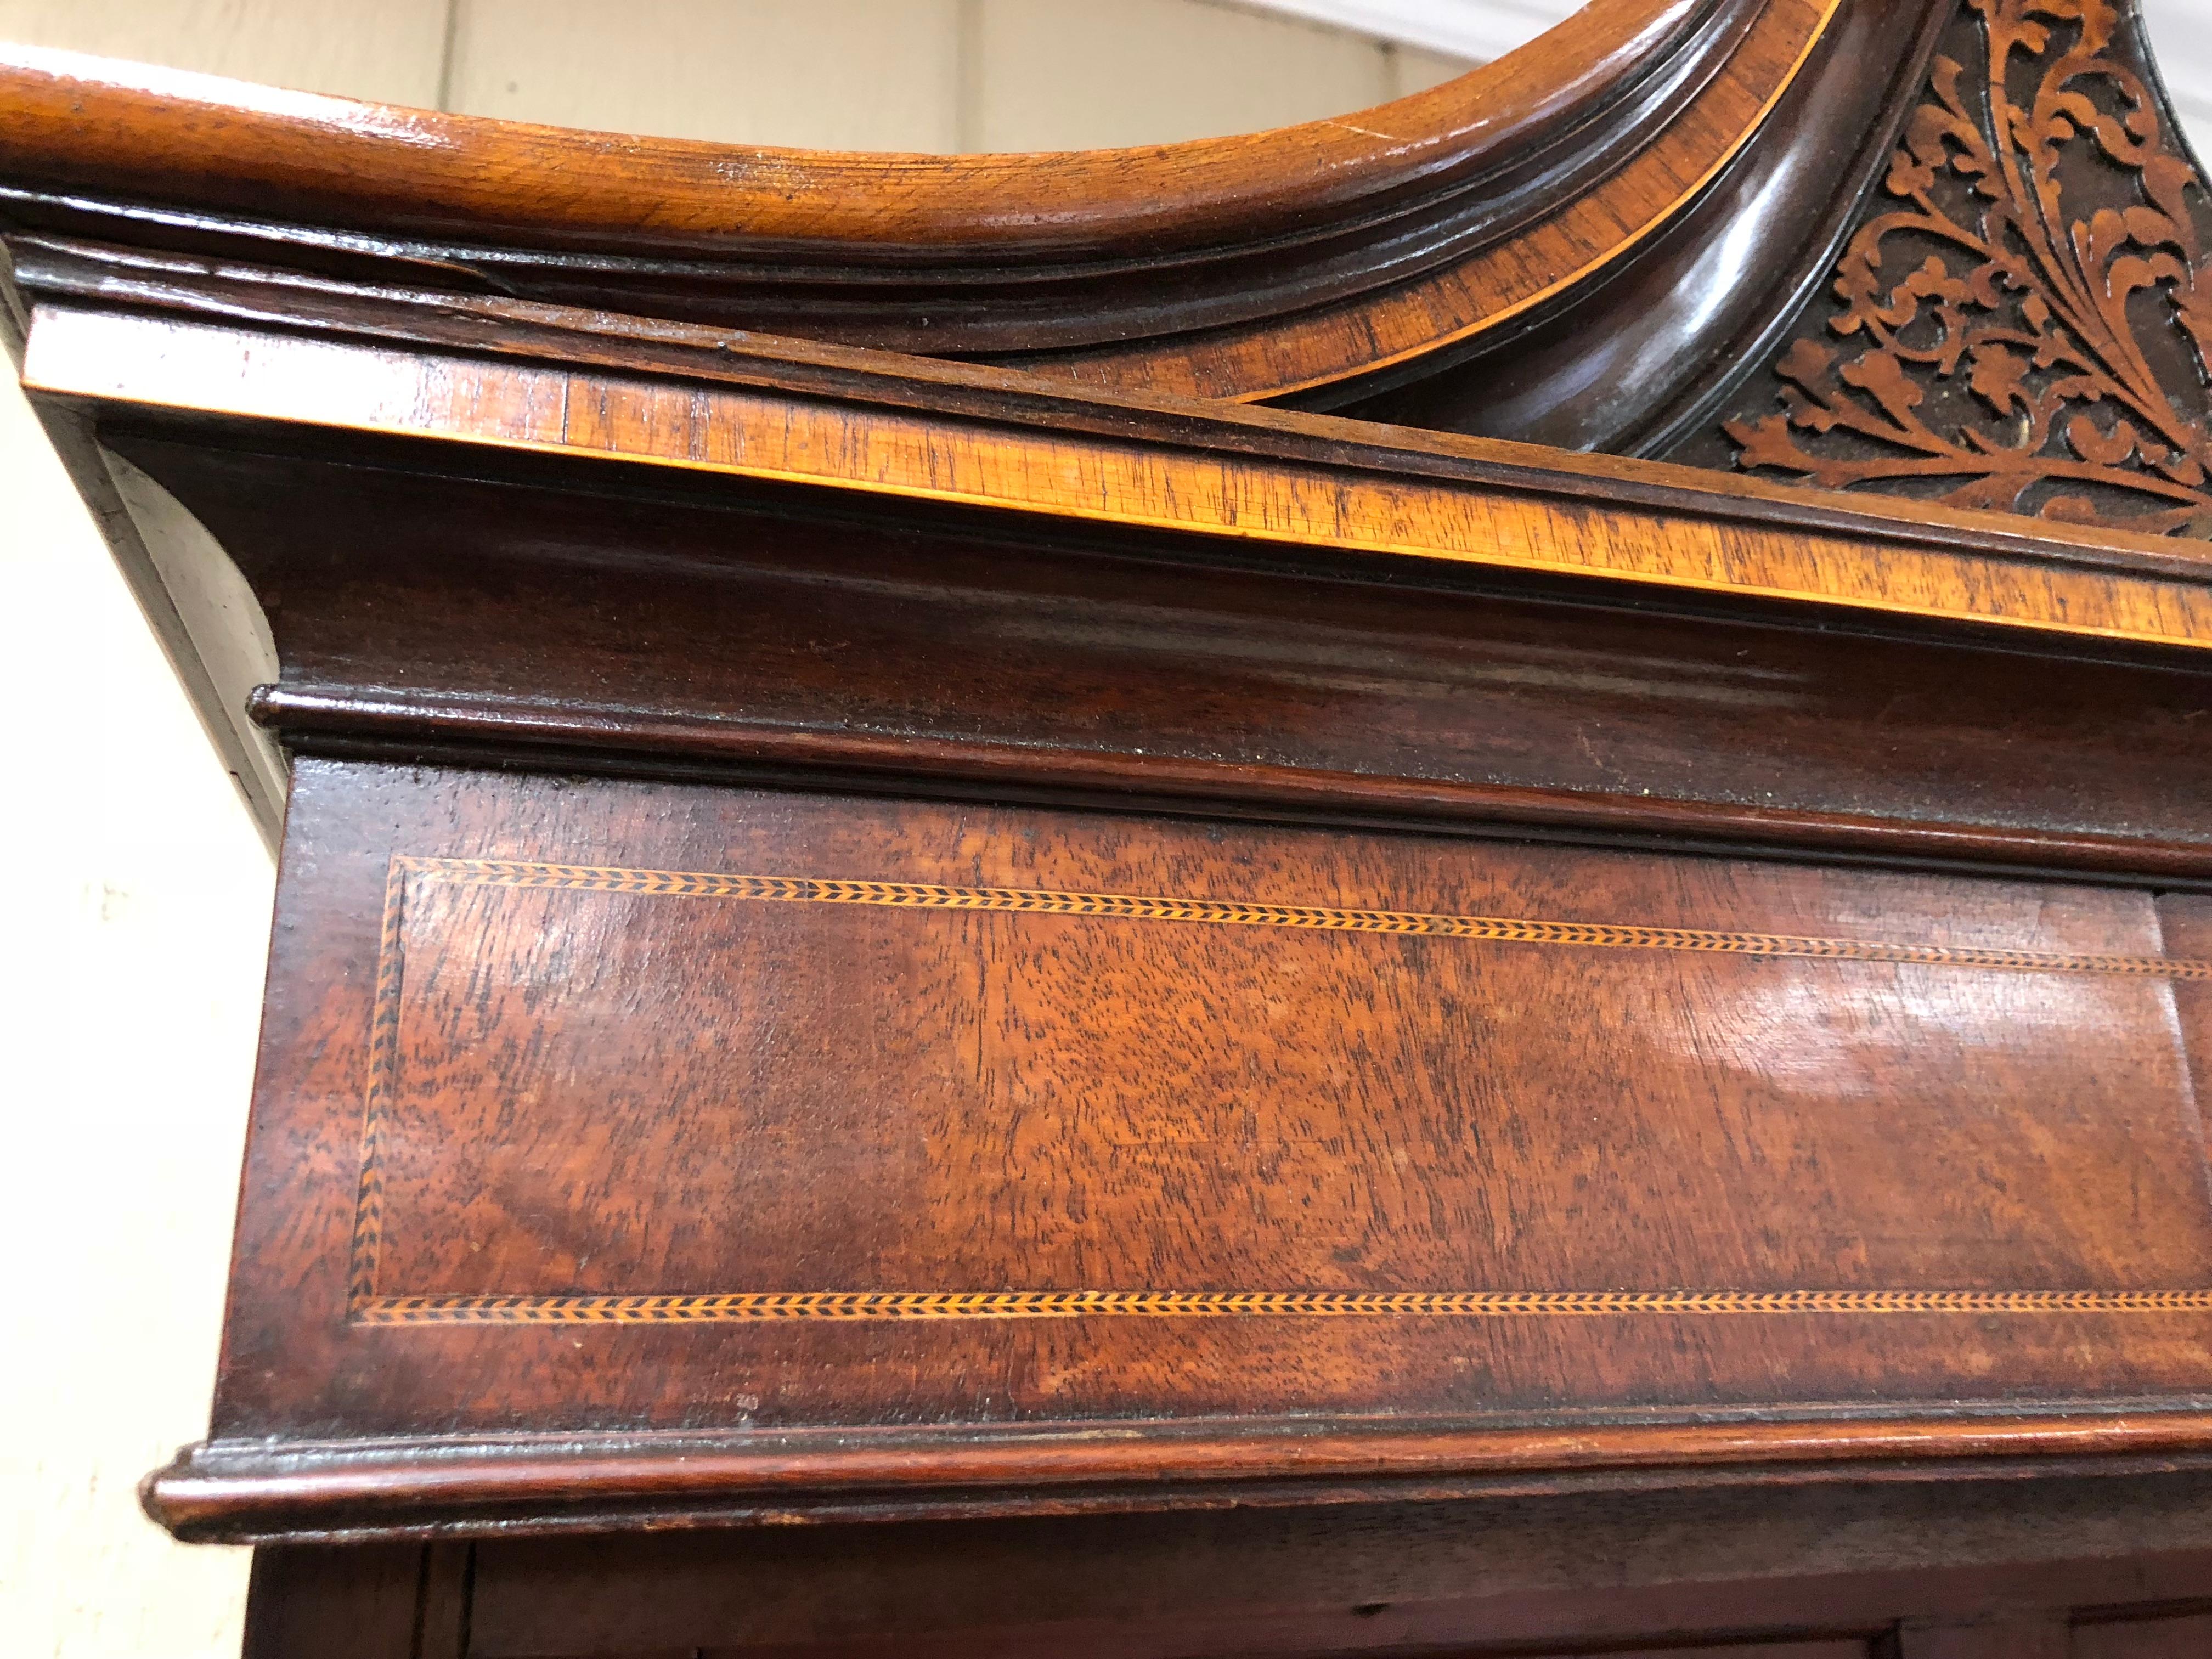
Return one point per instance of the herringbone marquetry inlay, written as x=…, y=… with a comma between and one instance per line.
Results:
x=1203, y=1304
x=369, y=1306
x=1517, y=930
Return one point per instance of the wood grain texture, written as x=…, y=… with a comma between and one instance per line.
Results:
x=521, y=1484
x=2002, y=1636
x=2185, y=922
x=2016, y=322
x=352, y=1604
x=1572, y=246
x=1639, y=362
x=2017, y=373
x=1587, y=243
x=641, y=192
x=1240, y=268
x=1527, y=1575
x=423, y=894
x=761, y=632
x=883, y=424
x=856, y=943
x=2181, y=1636
x=1061, y=1101
x=1729, y=1573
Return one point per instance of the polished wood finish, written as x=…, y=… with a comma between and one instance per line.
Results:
x=2016, y=321
x=1223, y=1199
x=1599, y=241
x=1648, y=359
x=2047, y=361
x=704, y=400
x=382, y=1601
x=925, y=1006
x=1242, y=268
x=2117, y=1569
x=1010, y=657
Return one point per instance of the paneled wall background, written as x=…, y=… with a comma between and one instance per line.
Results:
x=131, y=980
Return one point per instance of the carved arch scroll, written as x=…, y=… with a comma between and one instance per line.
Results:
x=1238, y=268
x=2022, y=320
x=1961, y=230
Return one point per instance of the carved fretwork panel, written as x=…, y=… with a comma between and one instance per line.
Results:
x=2021, y=319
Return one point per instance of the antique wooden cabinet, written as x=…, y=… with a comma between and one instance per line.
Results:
x=1441, y=883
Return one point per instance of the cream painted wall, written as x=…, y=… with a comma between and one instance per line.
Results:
x=919, y=75
x=390, y=50
x=1076, y=75
x=131, y=989
x=132, y=972
x=826, y=74
x=136, y=955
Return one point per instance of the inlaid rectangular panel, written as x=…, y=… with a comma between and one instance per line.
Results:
x=859, y=1106
x=1044, y=1102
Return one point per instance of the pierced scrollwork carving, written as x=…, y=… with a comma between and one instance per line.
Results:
x=2026, y=321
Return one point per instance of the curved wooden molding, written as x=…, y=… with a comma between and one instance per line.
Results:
x=255, y=1492
x=2021, y=318
x=141, y=345
x=106, y=125
x=1241, y=268
x=1631, y=364
x=1590, y=243
x=513, y=376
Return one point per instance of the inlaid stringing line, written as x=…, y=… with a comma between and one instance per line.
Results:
x=366, y=1306
x=383, y=1079
x=900, y=895
x=1187, y=1304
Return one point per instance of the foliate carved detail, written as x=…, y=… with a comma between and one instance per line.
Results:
x=2031, y=330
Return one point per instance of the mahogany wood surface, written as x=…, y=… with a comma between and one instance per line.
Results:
x=2002, y=1638
x=884, y=423
x=361, y=1603
x=1974, y=281
x=1604, y=239
x=2014, y=320
x=1242, y=267
x=2176, y=1636
x=1095, y=1163
x=1643, y=361
x=2100, y=1565
x=424, y=637
x=935, y=1006
x=1019, y=655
